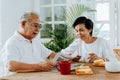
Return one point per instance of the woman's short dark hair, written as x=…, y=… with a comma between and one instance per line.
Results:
x=83, y=20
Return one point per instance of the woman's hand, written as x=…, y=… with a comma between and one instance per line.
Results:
x=92, y=57
x=76, y=59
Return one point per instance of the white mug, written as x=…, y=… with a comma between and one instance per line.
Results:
x=112, y=66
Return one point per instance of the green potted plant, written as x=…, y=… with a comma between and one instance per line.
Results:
x=59, y=40
x=46, y=31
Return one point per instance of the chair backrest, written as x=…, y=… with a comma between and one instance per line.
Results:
x=117, y=53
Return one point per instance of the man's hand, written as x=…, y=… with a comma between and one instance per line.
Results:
x=46, y=66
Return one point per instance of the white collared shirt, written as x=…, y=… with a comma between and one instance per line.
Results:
x=20, y=49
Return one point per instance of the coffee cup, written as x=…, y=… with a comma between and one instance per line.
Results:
x=64, y=67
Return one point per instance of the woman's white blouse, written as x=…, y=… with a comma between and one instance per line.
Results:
x=98, y=47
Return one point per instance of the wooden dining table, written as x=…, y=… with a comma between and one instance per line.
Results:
x=99, y=73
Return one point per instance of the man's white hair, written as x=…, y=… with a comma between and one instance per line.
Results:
x=27, y=16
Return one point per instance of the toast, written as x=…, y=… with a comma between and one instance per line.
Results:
x=83, y=70
x=99, y=62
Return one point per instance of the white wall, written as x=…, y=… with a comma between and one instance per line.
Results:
x=0, y=21
x=118, y=23
x=11, y=10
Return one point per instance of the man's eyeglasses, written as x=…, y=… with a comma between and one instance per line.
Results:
x=36, y=25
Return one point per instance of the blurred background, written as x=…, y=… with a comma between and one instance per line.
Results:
x=57, y=17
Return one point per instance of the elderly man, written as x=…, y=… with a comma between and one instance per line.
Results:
x=23, y=52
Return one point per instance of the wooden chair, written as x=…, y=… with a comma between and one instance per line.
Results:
x=117, y=53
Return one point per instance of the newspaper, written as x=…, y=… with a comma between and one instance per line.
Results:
x=61, y=57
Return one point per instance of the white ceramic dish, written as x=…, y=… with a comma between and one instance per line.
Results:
x=112, y=66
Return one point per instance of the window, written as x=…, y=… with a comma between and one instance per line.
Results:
x=104, y=17
x=51, y=12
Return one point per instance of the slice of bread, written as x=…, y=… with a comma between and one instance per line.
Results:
x=83, y=70
x=99, y=62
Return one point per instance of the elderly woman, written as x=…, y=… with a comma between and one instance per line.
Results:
x=88, y=48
